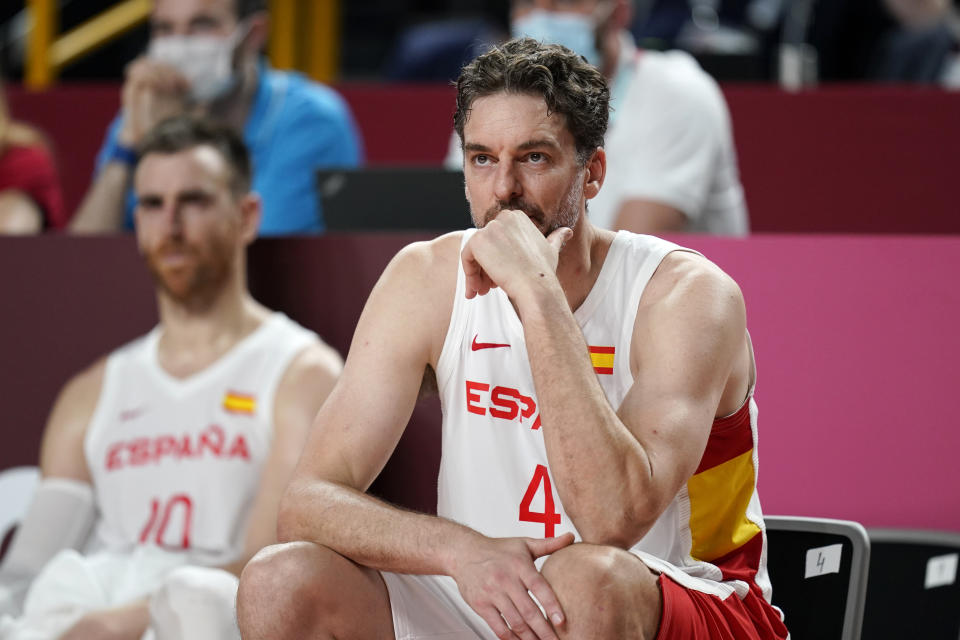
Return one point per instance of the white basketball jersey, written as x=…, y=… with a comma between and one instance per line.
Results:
x=494, y=473
x=176, y=462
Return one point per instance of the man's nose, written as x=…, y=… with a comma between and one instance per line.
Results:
x=172, y=218
x=507, y=184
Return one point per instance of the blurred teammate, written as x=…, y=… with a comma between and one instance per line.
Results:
x=205, y=57
x=595, y=387
x=174, y=448
x=672, y=164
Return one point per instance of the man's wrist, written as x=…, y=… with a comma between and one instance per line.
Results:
x=541, y=296
x=124, y=155
x=457, y=548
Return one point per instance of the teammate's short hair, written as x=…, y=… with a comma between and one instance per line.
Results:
x=566, y=82
x=180, y=133
x=249, y=7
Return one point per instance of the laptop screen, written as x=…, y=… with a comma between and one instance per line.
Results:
x=393, y=198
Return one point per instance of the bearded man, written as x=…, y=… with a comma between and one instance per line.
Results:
x=597, y=396
x=163, y=463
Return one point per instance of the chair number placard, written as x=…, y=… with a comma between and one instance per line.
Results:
x=823, y=560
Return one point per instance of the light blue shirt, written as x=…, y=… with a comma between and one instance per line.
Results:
x=295, y=127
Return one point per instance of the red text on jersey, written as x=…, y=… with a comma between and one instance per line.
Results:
x=211, y=442
x=504, y=403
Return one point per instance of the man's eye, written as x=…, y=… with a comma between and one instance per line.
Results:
x=481, y=159
x=536, y=157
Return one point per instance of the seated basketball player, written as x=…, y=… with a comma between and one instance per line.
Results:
x=597, y=399
x=175, y=448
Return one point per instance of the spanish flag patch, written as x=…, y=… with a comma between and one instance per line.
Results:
x=602, y=359
x=240, y=403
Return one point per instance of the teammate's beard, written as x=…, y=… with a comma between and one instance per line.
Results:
x=567, y=214
x=194, y=284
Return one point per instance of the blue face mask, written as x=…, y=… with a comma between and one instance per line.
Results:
x=575, y=31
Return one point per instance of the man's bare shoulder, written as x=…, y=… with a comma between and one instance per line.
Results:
x=436, y=259
x=315, y=368
x=688, y=282
x=61, y=453
x=81, y=392
x=423, y=275
x=413, y=299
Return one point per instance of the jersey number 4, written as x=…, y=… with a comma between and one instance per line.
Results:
x=161, y=514
x=549, y=517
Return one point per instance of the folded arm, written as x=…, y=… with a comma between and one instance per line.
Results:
x=688, y=337
x=400, y=333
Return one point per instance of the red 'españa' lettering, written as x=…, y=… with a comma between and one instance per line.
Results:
x=504, y=403
x=143, y=451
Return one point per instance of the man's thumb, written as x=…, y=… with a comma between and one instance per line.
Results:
x=559, y=236
x=546, y=546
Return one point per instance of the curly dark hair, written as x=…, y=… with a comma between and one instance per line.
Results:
x=566, y=82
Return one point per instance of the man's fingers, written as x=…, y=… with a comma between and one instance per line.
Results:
x=476, y=280
x=532, y=615
x=544, y=547
x=543, y=592
x=496, y=622
x=520, y=625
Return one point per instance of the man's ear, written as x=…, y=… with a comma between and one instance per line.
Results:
x=622, y=15
x=258, y=29
x=596, y=171
x=251, y=208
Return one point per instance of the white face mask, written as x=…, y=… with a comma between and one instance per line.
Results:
x=575, y=31
x=205, y=61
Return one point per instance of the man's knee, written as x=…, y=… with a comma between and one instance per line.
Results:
x=582, y=568
x=600, y=587
x=288, y=588
x=280, y=576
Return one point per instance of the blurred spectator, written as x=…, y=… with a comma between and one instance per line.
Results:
x=204, y=57
x=671, y=161
x=925, y=47
x=30, y=198
x=436, y=50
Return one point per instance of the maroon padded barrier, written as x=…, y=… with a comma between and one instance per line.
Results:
x=834, y=159
x=856, y=341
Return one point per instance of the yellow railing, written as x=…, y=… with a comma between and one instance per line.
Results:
x=304, y=35
x=47, y=53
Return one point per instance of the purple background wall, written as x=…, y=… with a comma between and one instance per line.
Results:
x=856, y=338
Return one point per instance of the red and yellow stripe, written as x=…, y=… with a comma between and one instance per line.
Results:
x=721, y=489
x=239, y=403
x=602, y=359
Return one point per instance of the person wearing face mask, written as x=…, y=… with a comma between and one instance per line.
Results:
x=204, y=58
x=672, y=163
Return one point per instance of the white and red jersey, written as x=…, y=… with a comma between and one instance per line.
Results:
x=495, y=475
x=176, y=462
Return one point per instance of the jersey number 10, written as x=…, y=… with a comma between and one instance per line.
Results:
x=160, y=515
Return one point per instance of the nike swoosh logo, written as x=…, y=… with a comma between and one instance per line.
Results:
x=131, y=414
x=476, y=346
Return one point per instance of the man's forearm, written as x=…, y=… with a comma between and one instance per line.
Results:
x=583, y=435
x=103, y=207
x=370, y=532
